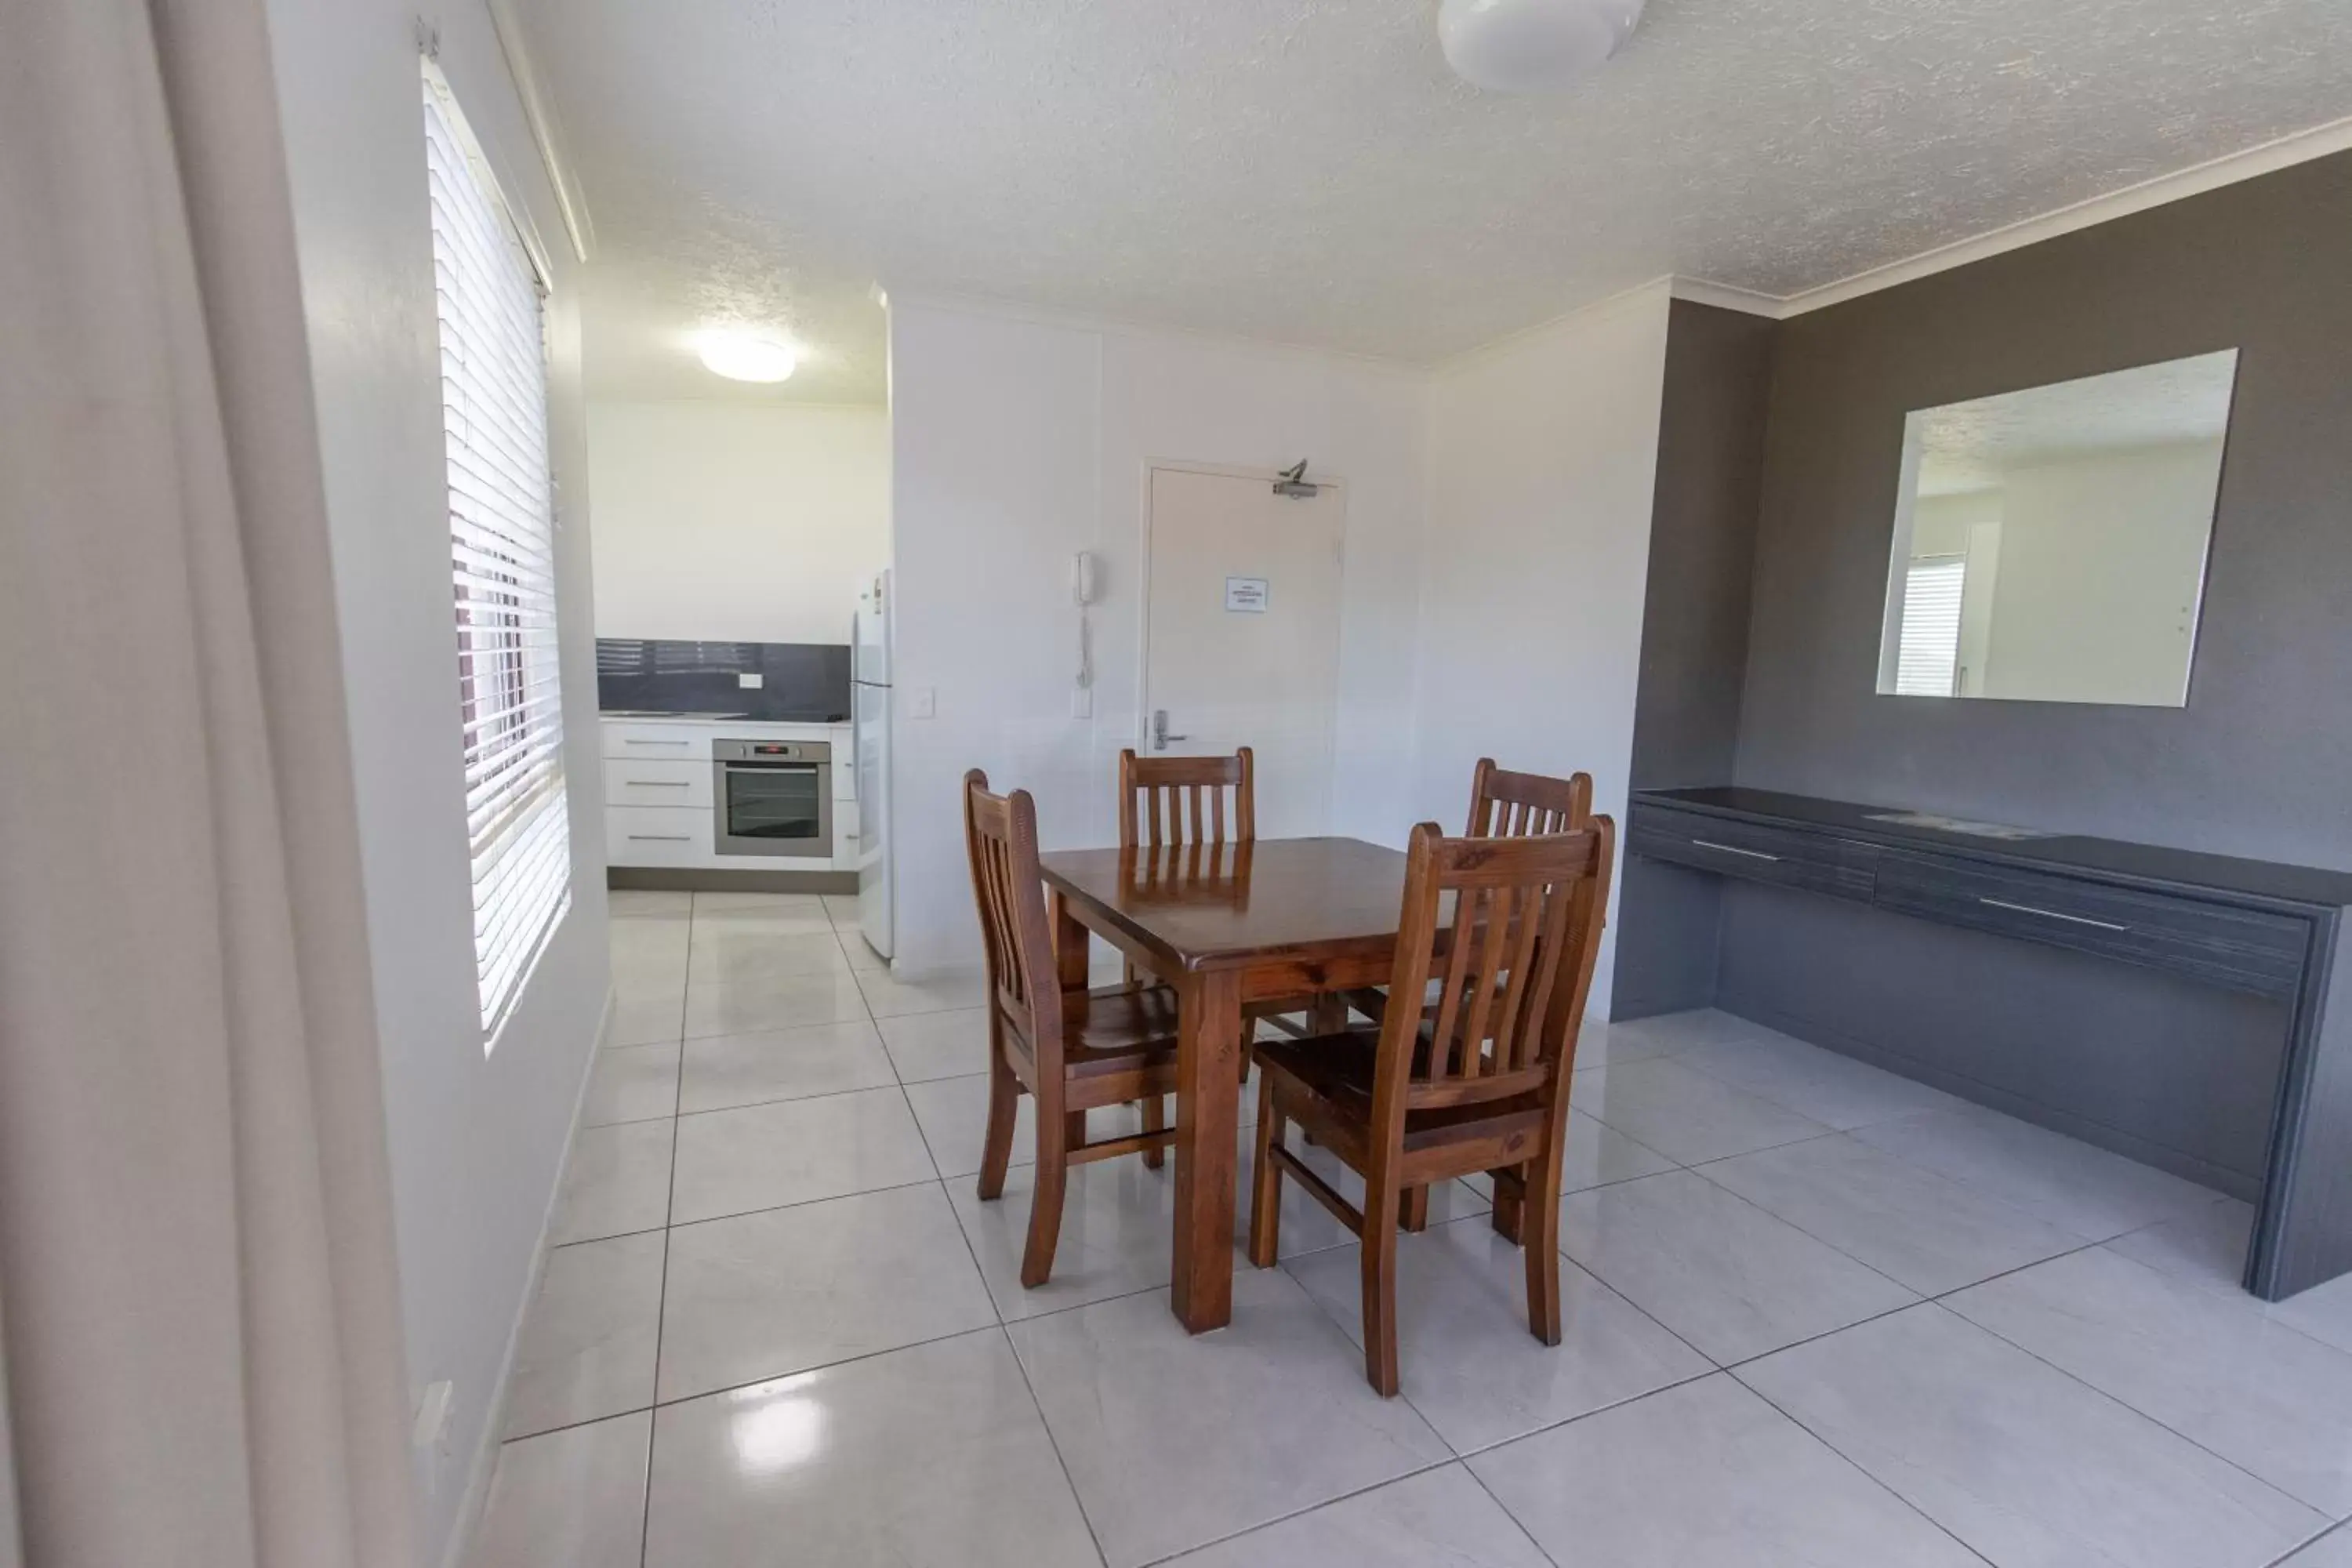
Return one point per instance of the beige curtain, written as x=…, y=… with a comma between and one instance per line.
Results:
x=199, y=1325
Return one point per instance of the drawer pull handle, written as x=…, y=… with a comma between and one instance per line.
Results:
x=1733, y=849
x=661, y=838
x=659, y=784
x=632, y=740
x=2054, y=915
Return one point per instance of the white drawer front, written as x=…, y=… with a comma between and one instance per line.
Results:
x=671, y=743
x=657, y=836
x=640, y=781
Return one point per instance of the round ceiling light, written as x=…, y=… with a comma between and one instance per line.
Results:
x=740, y=355
x=1531, y=46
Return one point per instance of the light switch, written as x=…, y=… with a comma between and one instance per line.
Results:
x=923, y=702
x=749, y=681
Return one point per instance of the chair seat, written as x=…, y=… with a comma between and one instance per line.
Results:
x=1106, y=1029
x=1336, y=1071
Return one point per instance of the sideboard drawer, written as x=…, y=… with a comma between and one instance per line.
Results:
x=2244, y=950
x=1817, y=862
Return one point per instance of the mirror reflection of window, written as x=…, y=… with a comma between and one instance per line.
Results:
x=2050, y=544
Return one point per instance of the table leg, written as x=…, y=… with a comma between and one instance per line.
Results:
x=1208, y=1096
x=1070, y=939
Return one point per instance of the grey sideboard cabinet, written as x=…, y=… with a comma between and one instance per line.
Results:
x=2270, y=930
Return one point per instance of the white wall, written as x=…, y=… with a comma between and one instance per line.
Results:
x=736, y=522
x=476, y=1142
x=1542, y=466
x=2103, y=559
x=1016, y=443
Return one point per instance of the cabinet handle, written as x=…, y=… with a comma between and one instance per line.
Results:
x=629, y=741
x=1734, y=849
x=658, y=783
x=661, y=838
x=2054, y=915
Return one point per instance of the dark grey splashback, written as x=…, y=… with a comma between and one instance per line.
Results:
x=804, y=683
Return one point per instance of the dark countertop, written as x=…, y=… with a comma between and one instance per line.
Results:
x=2115, y=859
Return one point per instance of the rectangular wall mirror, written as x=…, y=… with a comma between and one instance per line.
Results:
x=2050, y=544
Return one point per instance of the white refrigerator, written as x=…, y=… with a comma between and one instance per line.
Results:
x=869, y=675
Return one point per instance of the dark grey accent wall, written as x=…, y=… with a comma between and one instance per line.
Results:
x=2260, y=762
x=1693, y=633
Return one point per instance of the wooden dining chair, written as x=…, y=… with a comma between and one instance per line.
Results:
x=1072, y=1050
x=1170, y=802
x=1480, y=1086
x=1503, y=805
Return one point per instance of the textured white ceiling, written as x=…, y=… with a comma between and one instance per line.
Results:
x=1308, y=172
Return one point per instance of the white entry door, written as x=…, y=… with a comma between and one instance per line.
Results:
x=1241, y=639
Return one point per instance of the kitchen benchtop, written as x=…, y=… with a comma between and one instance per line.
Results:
x=735, y=721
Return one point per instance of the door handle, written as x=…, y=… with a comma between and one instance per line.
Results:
x=1159, y=735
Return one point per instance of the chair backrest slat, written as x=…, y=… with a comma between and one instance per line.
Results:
x=1023, y=984
x=1182, y=800
x=1505, y=804
x=1519, y=951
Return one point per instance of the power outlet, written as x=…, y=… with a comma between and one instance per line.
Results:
x=748, y=680
x=923, y=702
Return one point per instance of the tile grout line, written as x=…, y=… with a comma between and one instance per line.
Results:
x=1857, y=1467
x=661, y=1303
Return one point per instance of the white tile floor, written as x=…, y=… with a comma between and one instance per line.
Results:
x=1815, y=1315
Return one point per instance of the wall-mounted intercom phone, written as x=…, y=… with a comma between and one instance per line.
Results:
x=1085, y=587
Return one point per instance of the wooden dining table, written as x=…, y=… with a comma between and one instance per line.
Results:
x=1227, y=925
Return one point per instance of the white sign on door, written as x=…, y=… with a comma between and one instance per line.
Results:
x=1246, y=595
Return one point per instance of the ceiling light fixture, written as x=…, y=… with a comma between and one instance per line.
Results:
x=740, y=355
x=1532, y=46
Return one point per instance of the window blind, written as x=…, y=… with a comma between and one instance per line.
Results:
x=1928, y=658
x=502, y=561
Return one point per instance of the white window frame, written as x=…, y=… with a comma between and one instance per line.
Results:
x=1923, y=652
x=502, y=530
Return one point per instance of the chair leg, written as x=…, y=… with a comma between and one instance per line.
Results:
x=1045, y=1209
x=1415, y=1215
x=1003, y=1105
x=1382, y=1208
x=1539, y=1238
x=1266, y=1182
x=1506, y=1216
x=1155, y=1120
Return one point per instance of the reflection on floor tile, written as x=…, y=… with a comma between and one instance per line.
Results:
x=2208, y=1246
x=588, y=1338
x=2216, y=1370
x=1440, y=1517
x=730, y=954
x=572, y=1498
x=617, y=1181
x=1722, y=1273
x=2019, y=1460
x=1174, y=1442
x=1905, y=1221
x=2064, y=1181
x=1470, y=1366
x=931, y=1457
x=763, y=1295
x=631, y=1083
x=795, y=1152
x=952, y=1043
x=1683, y=1114
x=1835, y=1090
x=890, y=998
x=1706, y=1476
x=772, y=1002
x=722, y=1071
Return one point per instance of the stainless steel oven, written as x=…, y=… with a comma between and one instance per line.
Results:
x=771, y=797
